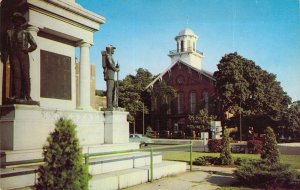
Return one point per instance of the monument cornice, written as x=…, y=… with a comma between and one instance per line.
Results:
x=61, y=18
x=90, y=21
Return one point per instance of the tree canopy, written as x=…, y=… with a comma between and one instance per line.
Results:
x=292, y=120
x=163, y=95
x=201, y=120
x=131, y=90
x=243, y=87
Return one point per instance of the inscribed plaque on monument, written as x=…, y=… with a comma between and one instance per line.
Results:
x=55, y=76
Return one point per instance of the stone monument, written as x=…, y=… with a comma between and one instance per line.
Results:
x=53, y=29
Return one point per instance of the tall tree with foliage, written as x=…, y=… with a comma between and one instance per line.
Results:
x=225, y=155
x=292, y=120
x=63, y=168
x=164, y=95
x=243, y=87
x=131, y=91
x=200, y=121
x=270, y=150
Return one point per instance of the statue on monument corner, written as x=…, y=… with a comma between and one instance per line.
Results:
x=109, y=69
x=18, y=42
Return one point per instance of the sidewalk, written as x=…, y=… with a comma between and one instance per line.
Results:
x=201, y=177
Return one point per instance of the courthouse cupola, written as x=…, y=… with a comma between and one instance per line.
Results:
x=187, y=49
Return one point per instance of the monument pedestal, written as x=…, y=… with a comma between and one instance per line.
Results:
x=25, y=127
x=24, y=130
x=116, y=127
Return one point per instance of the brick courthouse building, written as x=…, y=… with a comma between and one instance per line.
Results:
x=195, y=87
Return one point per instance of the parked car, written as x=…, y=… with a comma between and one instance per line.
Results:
x=143, y=140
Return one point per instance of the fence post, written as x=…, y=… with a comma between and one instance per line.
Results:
x=151, y=164
x=86, y=161
x=191, y=156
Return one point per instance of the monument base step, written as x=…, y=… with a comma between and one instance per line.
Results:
x=18, y=177
x=134, y=176
x=12, y=178
x=8, y=156
x=110, y=163
x=25, y=175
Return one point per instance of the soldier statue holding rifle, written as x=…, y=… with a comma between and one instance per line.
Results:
x=109, y=69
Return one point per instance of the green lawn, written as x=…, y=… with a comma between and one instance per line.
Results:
x=293, y=160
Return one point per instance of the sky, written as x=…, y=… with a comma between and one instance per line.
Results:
x=143, y=31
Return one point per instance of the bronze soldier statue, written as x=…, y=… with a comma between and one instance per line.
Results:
x=17, y=45
x=109, y=69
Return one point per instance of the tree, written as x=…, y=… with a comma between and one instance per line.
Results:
x=292, y=120
x=63, y=168
x=163, y=95
x=200, y=121
x=244, y=88
x=270, y=150
x=225, y=155
x=132, y=92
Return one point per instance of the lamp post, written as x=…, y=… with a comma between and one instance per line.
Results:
x=143, y=118
x=240, y=120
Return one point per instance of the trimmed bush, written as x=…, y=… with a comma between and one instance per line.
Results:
x=206, y=160
x=270, y=151
x=214, y=145
x=225, y=155
x=63, y=168
x=262, y=174
x=254, y=146
x=240, y=161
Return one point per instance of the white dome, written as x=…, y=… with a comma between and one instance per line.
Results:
x=186, y=32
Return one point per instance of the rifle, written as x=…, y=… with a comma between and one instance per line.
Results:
x=117, y=87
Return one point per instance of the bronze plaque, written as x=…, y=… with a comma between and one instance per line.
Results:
x=55, y=76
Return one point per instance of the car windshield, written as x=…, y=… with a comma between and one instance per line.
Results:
x=137, y=136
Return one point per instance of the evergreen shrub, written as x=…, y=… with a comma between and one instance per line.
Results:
x=270, y=151
x=63, y=168
x=262, y=174
x=206, y=160
x=225, y=153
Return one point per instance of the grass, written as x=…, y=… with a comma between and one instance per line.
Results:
x=293, y=160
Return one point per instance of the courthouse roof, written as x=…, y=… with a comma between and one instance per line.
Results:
x=160, y=76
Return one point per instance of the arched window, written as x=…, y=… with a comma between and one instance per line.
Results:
x=177, y=46
x=180, y=102
x=182, y=45
x=193, y=102
x=205, y=98
x=154, y=104
x=169, y=100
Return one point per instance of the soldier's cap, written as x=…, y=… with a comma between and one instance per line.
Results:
x=109, y=47
x=18, y=16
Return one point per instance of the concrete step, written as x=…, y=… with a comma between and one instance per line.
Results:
x=25, y=175
x=12, y=178
x=130, y=177
x=104, y=164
